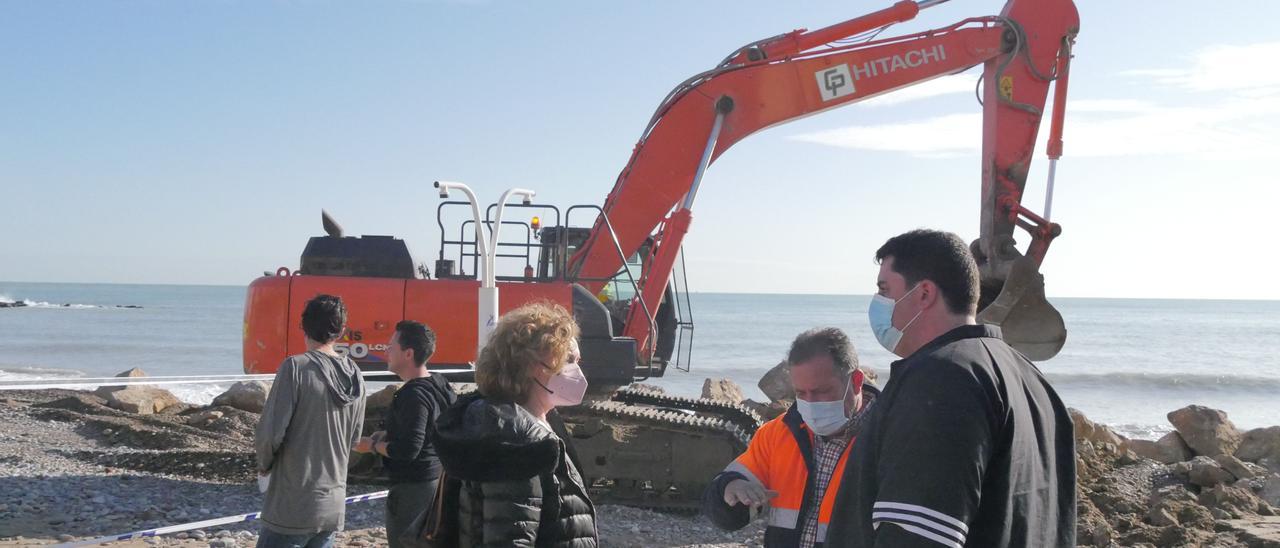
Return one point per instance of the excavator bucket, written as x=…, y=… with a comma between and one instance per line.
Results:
x=1029, y=323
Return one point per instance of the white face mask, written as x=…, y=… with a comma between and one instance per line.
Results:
x=566, y=387
x=824, y=417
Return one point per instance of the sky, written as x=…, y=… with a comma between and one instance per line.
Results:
x=196, y=142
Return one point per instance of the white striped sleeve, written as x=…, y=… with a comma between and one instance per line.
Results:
x=919, y=520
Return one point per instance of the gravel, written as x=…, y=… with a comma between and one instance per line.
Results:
x=71, y=469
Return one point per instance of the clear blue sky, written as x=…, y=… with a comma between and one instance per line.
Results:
x=195, y=142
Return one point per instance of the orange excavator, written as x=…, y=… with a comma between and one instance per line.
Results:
x=620, y=270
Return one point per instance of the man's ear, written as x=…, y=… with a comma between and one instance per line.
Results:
x=858, y=378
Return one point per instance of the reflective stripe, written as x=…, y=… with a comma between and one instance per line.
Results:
x=785, y=518
x=945, y=519
x=928, y=534
x=822, y=532
x=899, y=518
x=740, y=468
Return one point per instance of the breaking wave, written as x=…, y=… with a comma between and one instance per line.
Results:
x=1171, y=381
x=8, y=302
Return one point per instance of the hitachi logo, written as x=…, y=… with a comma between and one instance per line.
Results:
x=885, y=65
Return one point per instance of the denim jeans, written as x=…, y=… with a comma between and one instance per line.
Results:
x=271, y=539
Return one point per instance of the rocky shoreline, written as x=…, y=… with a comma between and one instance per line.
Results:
x=76, y=465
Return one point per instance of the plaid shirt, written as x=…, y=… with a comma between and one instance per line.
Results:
x=826, y=454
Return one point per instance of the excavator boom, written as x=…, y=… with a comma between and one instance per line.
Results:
x=790, y=76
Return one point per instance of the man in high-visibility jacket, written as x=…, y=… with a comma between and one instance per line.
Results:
x=795, y=461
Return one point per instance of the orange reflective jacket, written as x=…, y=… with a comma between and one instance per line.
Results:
x=780, y=457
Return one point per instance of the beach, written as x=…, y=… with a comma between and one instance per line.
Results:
x=71, y=469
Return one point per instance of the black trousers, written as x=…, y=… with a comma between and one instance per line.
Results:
x=405, y=502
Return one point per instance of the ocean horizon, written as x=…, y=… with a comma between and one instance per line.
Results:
x=1127, y=362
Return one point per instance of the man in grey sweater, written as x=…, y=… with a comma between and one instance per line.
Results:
x=311, y=420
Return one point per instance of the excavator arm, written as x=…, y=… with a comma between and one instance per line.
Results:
x=786, y=77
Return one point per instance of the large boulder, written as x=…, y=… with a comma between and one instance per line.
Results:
x=104, y=391
x=1092, y=432
x=776, y=384
x=143, y=400
x=722, y=390
x=1206, y=472
x=1170, y=449
x=1207, y=431
x=248, y=396
x=381, y=399
x=1258, y=444
x=1236, y=466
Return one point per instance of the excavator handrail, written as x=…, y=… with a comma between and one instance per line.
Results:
x=653, y=325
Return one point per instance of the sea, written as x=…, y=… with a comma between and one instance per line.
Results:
x=1127, y=362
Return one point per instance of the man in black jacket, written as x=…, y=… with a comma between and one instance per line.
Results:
x=409, y=455
x=967, y=445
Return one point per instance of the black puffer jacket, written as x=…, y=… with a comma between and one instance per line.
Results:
x=519, y=487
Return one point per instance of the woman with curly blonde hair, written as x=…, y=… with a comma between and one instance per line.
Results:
x=518, y=486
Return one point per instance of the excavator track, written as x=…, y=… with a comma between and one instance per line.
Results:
x=657, y=457
x=739, y=415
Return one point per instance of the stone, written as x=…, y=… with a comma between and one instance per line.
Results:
x=142, y=400
x=1207, y=431
x=65, y=538
x=1235, y=466
x=248, y=396
x=776, y=384
x=381, y=399
x=1206, y=472
x=1236, y=501
x=205, y=417
x=1257, y=533
x=1170, y=505
x=1271, y=491
x=134, y=373
x=723, y=390
x=1092, y=432
x=1258, y=444
x=1173, y=448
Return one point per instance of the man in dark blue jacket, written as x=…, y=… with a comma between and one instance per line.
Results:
x=967, y=445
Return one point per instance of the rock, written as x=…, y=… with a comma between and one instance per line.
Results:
x=1271, y=491
x=722, y=390
x=776, y=384
x=65, y=538
x=1173, y=447
x=766, y=411
x=204, y=417
x=1175, y=506
x=1206, y=472
x=142, y=400
x=1237, y=501
x=1258, y=444
x=103, y=391
x=381, y=399
x=248, y=396
x=1092, y=432
x=1207, y=431
x=1257, y=533
x=1235, y=466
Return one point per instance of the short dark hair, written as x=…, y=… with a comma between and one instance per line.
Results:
x=940, y=257
x=830, y=341
x=417, y=337
x=324, y=318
